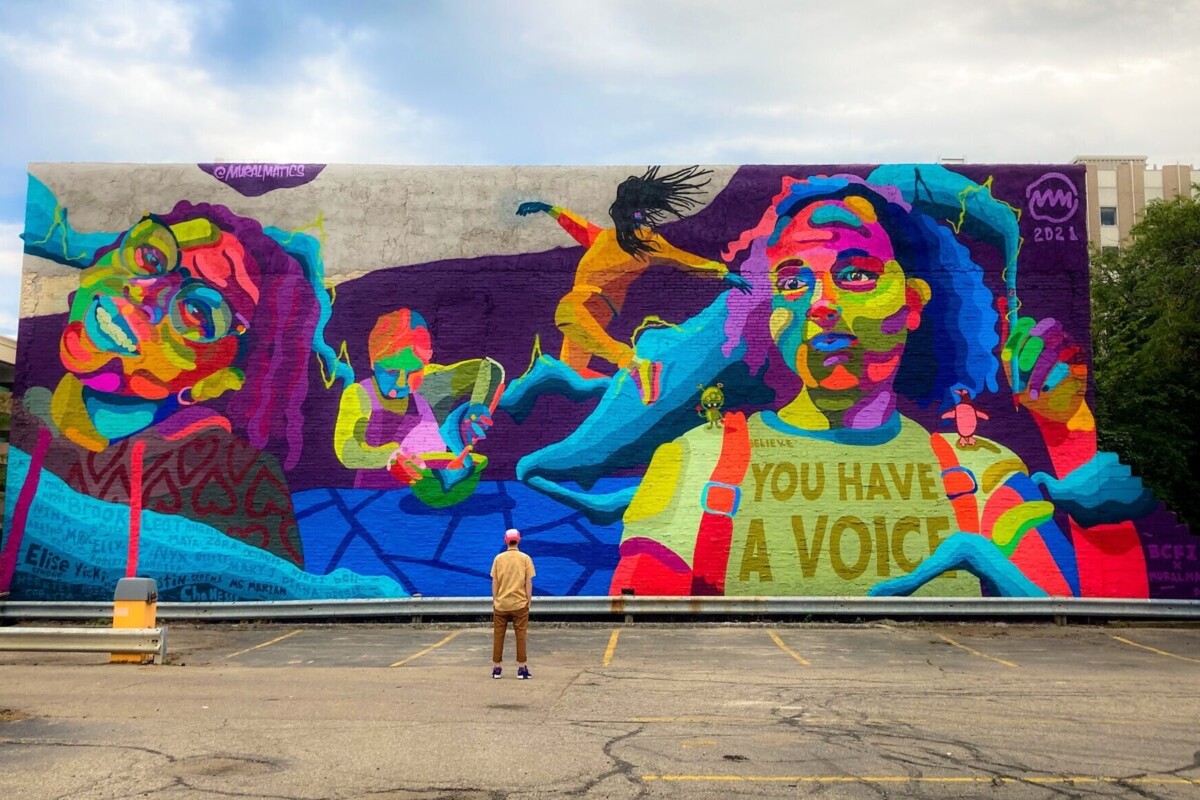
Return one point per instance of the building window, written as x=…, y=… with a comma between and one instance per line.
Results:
x=1108, y=215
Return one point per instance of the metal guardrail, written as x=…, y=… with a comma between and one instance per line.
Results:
x=632, y=607
x=86, y=640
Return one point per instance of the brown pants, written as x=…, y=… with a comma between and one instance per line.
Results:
x=520, y=623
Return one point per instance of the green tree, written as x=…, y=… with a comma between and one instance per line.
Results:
x=1146, y=351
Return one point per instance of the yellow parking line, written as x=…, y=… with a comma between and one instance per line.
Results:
x=1156, y=650
x=612, y=647
x=264, y=644
x=707, y=720
x=975, y=652
x=788, y=650
x=429, y=649
x=687, y=744
x=992, y=779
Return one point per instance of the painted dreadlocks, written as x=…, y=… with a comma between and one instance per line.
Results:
x=647, y=201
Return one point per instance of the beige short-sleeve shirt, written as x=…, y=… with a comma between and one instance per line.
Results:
x=511, y=569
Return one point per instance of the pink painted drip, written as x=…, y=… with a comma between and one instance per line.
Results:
x=8, y=560
x=135, y=507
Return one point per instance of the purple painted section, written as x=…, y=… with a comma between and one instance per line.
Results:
x=253, y=180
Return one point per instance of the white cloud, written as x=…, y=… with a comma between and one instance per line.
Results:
x=1027, y=80
x=125, y=81
x=10, y=253
x=8, y=323
x=10, y=277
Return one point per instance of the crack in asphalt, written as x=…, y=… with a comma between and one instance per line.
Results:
x=176, y=782
x=621, y=766
x=181, y=783
x=895, y=744
x=53, y=743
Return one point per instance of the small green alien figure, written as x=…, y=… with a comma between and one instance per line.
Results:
x=711, y=400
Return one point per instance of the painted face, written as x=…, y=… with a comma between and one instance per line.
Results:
x=152, y=317
x=842, y=306
x=712, y=397
x=400, y=374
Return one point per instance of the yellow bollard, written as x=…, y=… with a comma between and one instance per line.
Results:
x=135, y=605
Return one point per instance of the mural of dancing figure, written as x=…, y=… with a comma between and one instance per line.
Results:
x=615, y=258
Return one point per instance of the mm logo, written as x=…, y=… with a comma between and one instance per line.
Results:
x=1052, y=198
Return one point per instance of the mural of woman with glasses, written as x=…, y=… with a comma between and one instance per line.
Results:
x=165, y=445
x=187, y=351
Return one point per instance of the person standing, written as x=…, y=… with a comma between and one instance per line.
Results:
x=512, y=588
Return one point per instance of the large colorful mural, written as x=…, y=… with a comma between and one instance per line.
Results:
x=304, y=381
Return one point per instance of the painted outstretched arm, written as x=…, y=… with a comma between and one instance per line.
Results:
x=1019, y=551
x=667, y=254
x=965, y=551
x=1006, y=534
x=580, y=229
x=350, y=433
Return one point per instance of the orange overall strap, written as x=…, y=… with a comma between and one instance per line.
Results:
x=959, y=484
x=720, y=499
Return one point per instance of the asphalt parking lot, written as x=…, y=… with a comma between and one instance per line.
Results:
x=378, y=711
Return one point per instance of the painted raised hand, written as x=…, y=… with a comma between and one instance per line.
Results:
x=475, y=423
x=532, y=207
x=1044, y=369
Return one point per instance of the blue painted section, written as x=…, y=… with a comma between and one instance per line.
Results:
x=449, y=551
x=690, y=354
x=1099, y=492
x=48, y=232
x=75, y=547
x=970, y=552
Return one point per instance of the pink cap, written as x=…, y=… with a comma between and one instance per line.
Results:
x=512, y=535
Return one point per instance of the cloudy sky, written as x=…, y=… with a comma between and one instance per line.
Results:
x=607, y=81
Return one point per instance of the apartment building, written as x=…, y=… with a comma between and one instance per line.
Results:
x=1118, y=189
